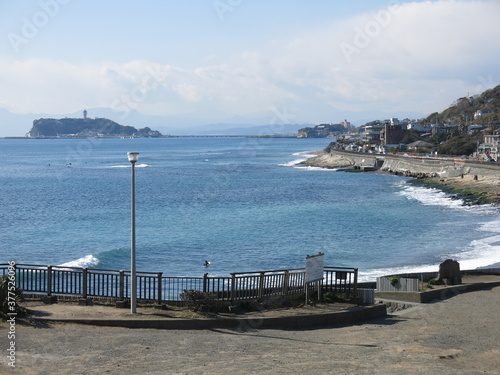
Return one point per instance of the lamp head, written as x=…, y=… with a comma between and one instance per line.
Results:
x=133, y=157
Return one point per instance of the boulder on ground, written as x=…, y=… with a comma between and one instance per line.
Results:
x=449, y=273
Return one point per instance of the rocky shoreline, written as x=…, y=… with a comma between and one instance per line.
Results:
x=479, y=186
x=326, y=160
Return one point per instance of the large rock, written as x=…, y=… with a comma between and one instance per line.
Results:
x=327, y=160
x=449, y=273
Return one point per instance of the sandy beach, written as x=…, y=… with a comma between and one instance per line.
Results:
x=460, y=335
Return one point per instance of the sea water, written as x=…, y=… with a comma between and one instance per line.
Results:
x=243, y=204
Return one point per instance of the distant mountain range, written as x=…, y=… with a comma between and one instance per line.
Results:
x=248, y=129
x=12, y=124
x=463, y=110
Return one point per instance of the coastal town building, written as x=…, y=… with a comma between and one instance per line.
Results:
x=489, y=149
x=392, y=135
x=475, y=128
x=415, y=126
x=371, y=133
x=418, y=145
x=347, y=125
x=324, y=130
x=482, y=112
x=443, y=128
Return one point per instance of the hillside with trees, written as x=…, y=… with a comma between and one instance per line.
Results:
x=86, y=127
x=324, y=130
x=466, y=110
x=479, y=110
x=458, y=130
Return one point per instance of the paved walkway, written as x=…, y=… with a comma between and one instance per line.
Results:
x=458, y=336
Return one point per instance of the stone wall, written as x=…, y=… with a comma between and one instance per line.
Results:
x=419, y=167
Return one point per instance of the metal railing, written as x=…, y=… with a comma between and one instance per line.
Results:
x=341, y=280
x=153, y=286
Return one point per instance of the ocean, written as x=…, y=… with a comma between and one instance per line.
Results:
x=243, y=204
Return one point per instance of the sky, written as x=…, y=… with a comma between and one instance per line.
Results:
x=196, y=62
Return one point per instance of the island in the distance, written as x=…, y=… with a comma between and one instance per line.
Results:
x=86, y=127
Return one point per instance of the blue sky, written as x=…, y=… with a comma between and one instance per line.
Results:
x=206, y=61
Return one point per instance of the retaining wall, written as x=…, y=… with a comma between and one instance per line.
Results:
x=414, y=166
x=307, y=321
x=435, y=294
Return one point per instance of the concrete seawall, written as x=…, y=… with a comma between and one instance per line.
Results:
x=416, y=166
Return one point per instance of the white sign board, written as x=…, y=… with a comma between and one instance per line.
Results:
x=315, y=265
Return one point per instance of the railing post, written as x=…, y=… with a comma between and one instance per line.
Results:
x=261, y=285
x=286, y=282
x=84, y=282
x=49, y=281
x=355, y=291
x=233, y=287
x=122, y=285
x=306, y=289
x=205, y=282
x=16, y=279
x=328, y=280
x=160, y=276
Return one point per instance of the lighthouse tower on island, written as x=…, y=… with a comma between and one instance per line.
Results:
x=84, y=114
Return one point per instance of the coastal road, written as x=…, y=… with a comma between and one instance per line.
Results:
x=457, y=336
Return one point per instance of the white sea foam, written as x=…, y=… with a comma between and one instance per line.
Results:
x=371, y=275
x=307, y=155
x=491, y=226
x=311, y=168
x=86, y=261
x=303, y=157
x=293, y=163
x=478, y=253
x=465, y=264
x=485, y=251
x=436, y=197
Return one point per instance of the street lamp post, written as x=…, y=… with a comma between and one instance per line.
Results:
x=132, y=158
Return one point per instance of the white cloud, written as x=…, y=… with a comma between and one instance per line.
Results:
x=416, y=56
